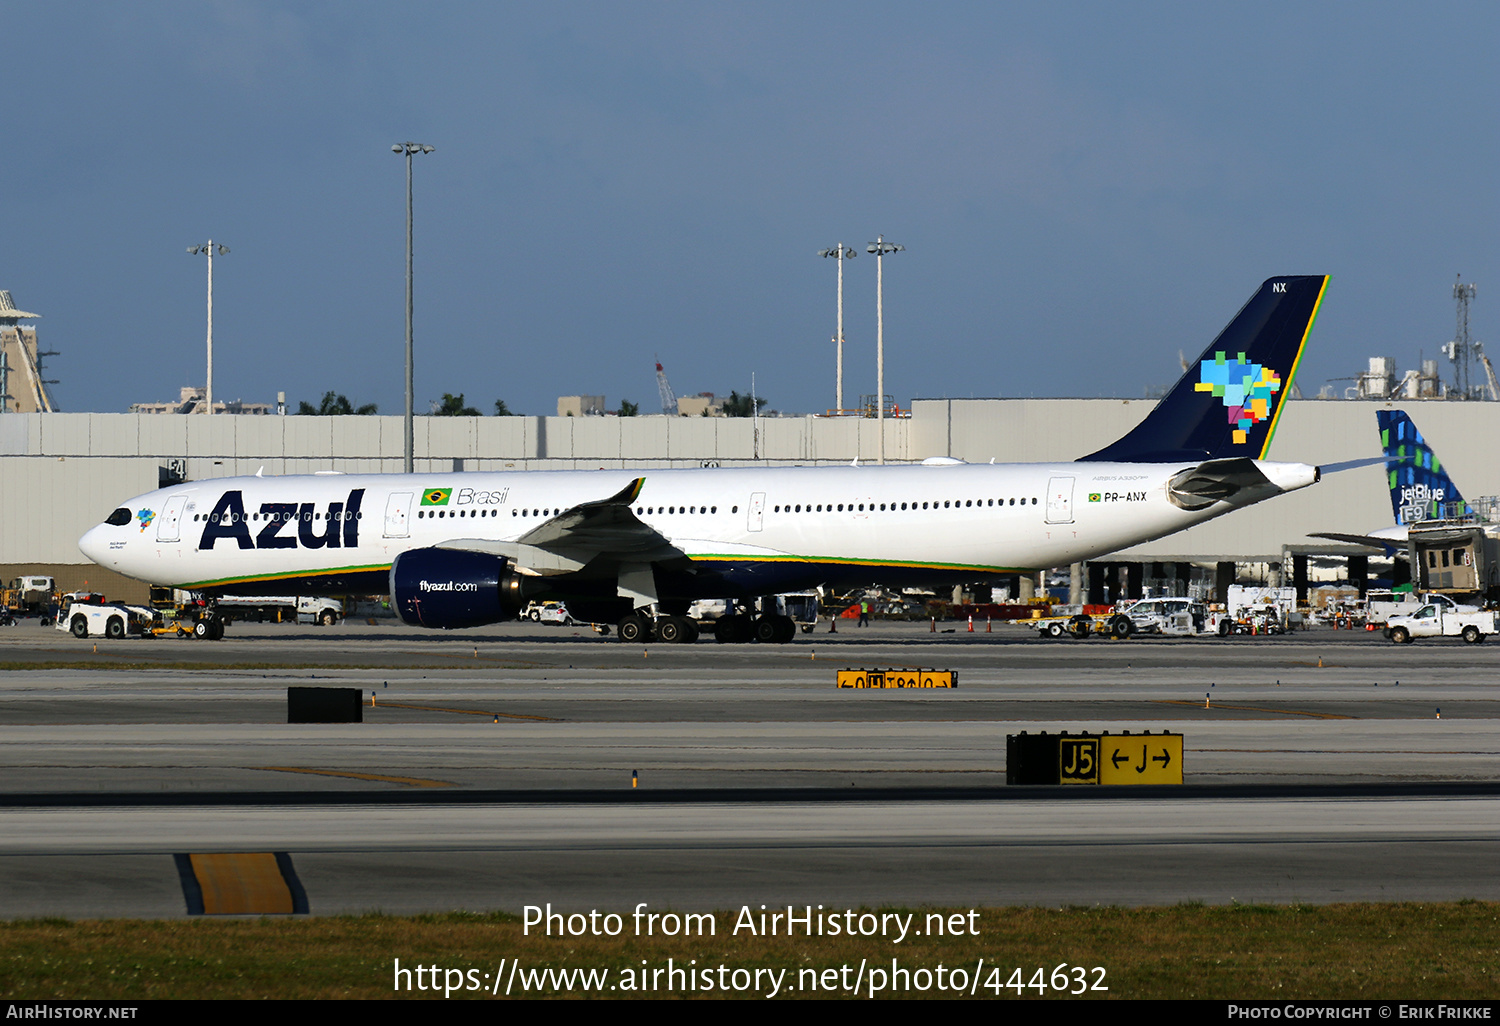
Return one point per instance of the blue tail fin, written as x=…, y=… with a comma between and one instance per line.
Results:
x=1227, y=403
x=1420, y=487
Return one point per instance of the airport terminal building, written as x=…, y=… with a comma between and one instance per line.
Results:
x=62, y=473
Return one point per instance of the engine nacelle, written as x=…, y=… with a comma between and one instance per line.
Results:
x=449, y=588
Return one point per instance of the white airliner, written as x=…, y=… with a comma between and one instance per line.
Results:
x=461, y=550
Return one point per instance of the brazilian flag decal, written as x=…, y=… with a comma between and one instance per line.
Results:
x=436, y=496
x=1095, y=496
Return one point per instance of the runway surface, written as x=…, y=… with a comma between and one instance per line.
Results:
x=1328, y=766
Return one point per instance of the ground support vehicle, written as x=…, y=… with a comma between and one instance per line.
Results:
x=173, y=627
x=1084, y=625
x=802, y=607
x=1380, y=606
x=27, y=596
x=549, y=612
x=109, y=619
x=186, y=621
x=1261, y=620
x=305, y=609
x=1437, y=621
x=1170, y=617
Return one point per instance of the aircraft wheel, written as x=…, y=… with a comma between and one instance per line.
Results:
x=731, y=630
x=786, y=629
x=216, y=629
x=115, y=628
x=767, y=630
x=1400, y=635
x=1472, y=635
x=80, y=627
x=671, y=630
x=633, y=629
x=201, y=629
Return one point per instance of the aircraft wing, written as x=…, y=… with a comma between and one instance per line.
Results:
x=605, y=532
x=1358, y=539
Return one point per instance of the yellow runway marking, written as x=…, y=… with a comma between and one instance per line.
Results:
x=410, y=781
x=1256, y=708
x=242, y=884
x=464, y=712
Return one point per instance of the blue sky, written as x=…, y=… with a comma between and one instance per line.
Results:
x=1083, y=190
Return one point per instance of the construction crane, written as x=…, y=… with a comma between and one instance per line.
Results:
x=668, y=400
x=1489, y=372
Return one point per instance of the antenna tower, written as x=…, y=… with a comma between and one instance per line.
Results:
x=1462, y=350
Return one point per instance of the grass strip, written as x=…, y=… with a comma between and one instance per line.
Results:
x=1295, y=952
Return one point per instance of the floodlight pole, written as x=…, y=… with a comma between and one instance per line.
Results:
x=408, y=149
x=840, y=253
x=209, y=248
x=880, y=248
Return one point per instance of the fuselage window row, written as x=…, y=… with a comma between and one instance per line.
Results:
x=891, y=507
x=234, y=518
x=841, y=507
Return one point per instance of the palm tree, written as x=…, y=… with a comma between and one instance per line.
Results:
x=335, y=405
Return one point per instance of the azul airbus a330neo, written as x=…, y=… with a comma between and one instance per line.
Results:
x=461, y=550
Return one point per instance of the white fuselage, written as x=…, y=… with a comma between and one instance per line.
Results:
x=823, y=523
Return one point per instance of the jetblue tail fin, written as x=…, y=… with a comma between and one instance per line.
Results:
x=1420, y=487
x=1227, y=404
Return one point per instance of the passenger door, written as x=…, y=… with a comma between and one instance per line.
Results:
x=757, y=511
x=397, y=510
x=167, y=525
x=1060, y=500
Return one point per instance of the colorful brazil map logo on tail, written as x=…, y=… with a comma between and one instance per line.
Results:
x=1246, y=389
x=436, y=496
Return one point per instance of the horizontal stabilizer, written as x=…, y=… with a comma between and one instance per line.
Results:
x=1369, y=541
x=1238, y=482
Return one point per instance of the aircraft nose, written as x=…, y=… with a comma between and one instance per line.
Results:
x=94, y=544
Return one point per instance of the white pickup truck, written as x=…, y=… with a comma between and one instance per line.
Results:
x=1380, y=606
x=1438, y=621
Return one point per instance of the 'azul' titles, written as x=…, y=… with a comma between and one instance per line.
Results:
x=335, y=527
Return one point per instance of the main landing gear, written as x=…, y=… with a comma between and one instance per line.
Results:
x=739, y=628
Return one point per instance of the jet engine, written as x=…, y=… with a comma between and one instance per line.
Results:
x=450, y=588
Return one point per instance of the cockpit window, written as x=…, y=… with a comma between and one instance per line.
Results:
x=119, y=518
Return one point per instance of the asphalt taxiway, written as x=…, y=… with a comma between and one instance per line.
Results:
x=517, y=764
